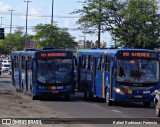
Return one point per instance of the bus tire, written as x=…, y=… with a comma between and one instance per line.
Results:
x=34, y=97
x=87, y=95
x=17, y=90
x=157, y=110
x=14, y=83
x=146, y=103
x=108, y=101
x=85, y=92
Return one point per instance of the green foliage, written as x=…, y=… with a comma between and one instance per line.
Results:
x=52, y=36
x=12, y=41
x=94, y=17
x=133, y=23
x=137, y=24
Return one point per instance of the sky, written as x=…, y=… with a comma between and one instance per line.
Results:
x=40, y=11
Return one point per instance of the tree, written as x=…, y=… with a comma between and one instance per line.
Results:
x=139, y=24
x=94, y=17
x=89, y=44
x=48, y=35
x=12, y=41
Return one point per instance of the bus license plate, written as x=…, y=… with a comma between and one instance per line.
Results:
x=138, y=96
x=55, y=91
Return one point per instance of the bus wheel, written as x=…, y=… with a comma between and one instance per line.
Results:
x=14, y=83
x=157, y=110
x=67, y=97
x=34, y=97
x=87, y=96
x=108, y=101
x=146, y=103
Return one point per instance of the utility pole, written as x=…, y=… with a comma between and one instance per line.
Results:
x=52, y=12
x=26, y=23
x=1, y=21
x=52, y=23
x=11, y=21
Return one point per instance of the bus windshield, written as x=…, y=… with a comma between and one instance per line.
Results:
x=137, y=71
x=54, y=70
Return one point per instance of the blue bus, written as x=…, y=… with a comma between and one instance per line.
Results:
x=118, y=75
x=44, y=72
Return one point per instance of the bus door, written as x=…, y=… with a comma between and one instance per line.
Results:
x=26, y=74
x=29, y=74
x=33, y=76
x=94, y=75
x=79, y=73
x=99, y=78
x=112, y=78
x=12, y=72
x=82, y=72
x=20, y=71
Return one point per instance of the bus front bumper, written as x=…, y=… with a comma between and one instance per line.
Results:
x=119, y=96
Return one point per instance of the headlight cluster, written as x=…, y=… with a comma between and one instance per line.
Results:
x=118, y=90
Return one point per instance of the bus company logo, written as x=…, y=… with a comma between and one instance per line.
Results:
x=6, y=121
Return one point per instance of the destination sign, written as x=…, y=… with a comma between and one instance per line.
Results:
x=137, y=54
x=52, y=54
x=42, y=55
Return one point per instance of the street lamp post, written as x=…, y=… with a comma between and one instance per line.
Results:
x=26, y=22
x=11, y=21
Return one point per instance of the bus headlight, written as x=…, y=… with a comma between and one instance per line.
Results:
x=117, y=90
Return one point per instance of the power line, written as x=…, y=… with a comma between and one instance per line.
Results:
x=35, y=15
x=32, y=27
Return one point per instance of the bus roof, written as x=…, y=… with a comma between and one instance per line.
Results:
x=109, y=51
x=34, y=52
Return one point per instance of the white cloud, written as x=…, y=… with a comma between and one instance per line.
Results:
x=67, y=23
x=34, y=13
x=4, y=7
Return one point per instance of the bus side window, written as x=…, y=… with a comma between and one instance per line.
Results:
x=102, y=64
x=81, y=61
x=29, y=62
x=99, y=63
x=86, y=67
x=75, y=60
x=22, y=62
x=89, y=62
x=107, y=63
x=15, y=61
x=84, y=61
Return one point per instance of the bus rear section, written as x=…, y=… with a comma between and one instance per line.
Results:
x=135, y=76
x=15, y=65
x=53, y=73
